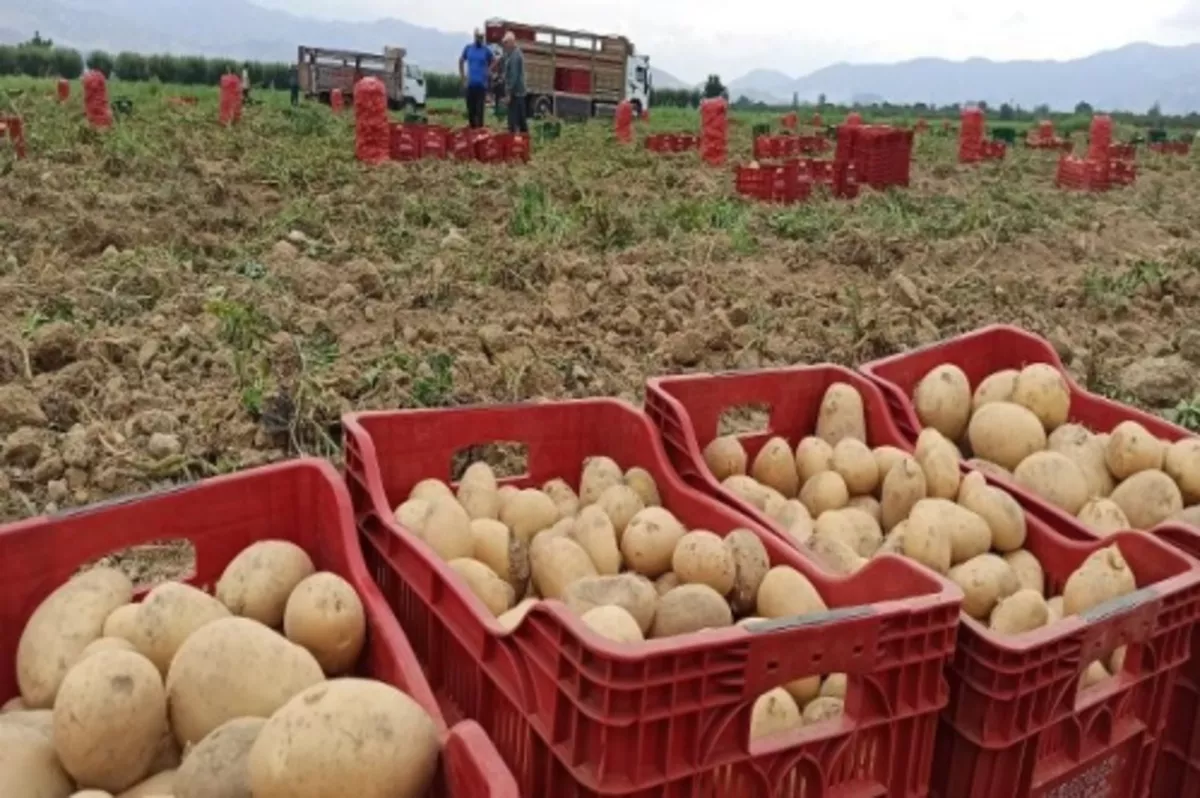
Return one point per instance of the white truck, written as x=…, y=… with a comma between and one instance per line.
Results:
x=321, y=70
x=576, y=74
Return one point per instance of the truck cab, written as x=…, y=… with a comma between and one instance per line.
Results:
x=639, y=84
x=415, y=89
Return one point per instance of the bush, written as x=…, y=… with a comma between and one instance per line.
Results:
x=192, y=70
x=163, y=67
x=131, y=66
x=101, y=62
x=218, y=67
x=33, y=61
x=8, y=60
x=442, y=85
x=68, y=63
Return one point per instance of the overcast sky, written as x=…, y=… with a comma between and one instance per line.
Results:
x=690, y=38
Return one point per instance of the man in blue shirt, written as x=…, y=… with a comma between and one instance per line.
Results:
x=473, y=69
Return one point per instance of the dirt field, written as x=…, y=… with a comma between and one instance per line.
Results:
x=179, y=300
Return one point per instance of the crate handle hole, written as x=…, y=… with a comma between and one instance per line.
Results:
x=507, y=458
x=745, y=419
x=150, y=564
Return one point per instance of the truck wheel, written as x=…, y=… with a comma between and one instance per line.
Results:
x=637, y=109
x=543, y=107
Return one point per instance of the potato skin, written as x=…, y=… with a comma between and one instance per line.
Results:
x=997, y=387
x=1132, y=449
x=1088, y=452
x=594, y=531
x=939, y=460
x=825, y=491
x=785, y=592
x=1028, y=570
x=751, y=563
x=325, y=615
x=599, y=474
x=774, y=712
x=29, y=766
x=841, y=415
x=690, y=608
x=556, y=564
x=60, y=628
x=903, y=487
x=1103, y=516
x=1023, y=611
x=1043, y=389
x=1002, y=513
x=927, y=540
x=1005, y=433
x=775, y=467
x=649, y=541
x=969, y=534
x=634, y=594
x=257, y=582
x=1182, y=464
x=943, y=400
x=855, y=528
x=218, y=766
x=701, y=558
x=614, y=623
x=1148, y=498
x=1103, y=576
x=855, y=462
x=813, y=455
x=984, y=580
x=725, y=457
x=167, y=616
x=1055, y=478
x=346, y=733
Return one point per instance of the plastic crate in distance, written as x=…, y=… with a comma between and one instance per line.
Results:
x=576, y=715
x=1013, y=707
x=303, y=501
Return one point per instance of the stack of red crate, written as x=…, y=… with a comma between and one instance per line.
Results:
x=413, y=142
x=787, y=146
x=11, y=127
x=1171, y=147
x=882, y=155
x=1043, y=138
x=1122, y=152
x=841, y=178
x=970, y=136
x=672, y=142
x=1105, y=166
x=783, y=183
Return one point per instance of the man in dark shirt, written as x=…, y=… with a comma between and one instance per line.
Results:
x=514, y=82
x=473, y=69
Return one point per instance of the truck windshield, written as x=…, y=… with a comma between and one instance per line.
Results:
x=414, y=72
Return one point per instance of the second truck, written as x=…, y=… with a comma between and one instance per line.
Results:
x=574, y=74
x=323, y=69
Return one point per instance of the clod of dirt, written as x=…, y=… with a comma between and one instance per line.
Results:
x=1062, y=343
x=149, y=422
x=558, y=302
x=906, y=290
x=284, y=252
x=53, y=346
x=163, y=445
x=343, y=293
x=77, y=450
x=56, y=491
x=686, y=348
x=1158, y=381
x=1189, y=345
x=147, y=353
x=297, y=237
x=24, y=447
x=48, y=467
x=19, y=408
x=492, y=339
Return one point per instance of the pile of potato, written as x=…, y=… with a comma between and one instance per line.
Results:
x=1014, y=424
x=620, y=561
x=846, y=503
x=240, y=694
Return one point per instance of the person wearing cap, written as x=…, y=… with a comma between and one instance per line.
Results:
x=474, y=67
x=514, y=83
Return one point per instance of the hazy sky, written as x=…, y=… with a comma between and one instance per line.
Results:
x=689, y=38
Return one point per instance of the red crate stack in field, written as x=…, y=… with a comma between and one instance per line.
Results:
x=1171, y=147
x=782, y=183
x=414, y=142
x=12, y=128
x=973, y=147
x=1044, y=138
x=664, y=143
x=1105, y=166
x=1100, y=138
x=882, y=155
x=788, y=146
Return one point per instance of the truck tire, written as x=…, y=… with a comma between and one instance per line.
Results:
x=542, y=107
x=637, y=109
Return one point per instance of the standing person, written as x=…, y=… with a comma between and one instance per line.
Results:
x=514, y=83
x=473, y=68
x=294, y=84
x=497, y=78
x=245, y=84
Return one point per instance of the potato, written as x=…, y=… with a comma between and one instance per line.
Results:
x=91, y=794
x=257, y=582
x=1055, y=608
x=621, y=503
x=927, y=540
x=104, y=644
x=939, y=461
x=557, y=564
x=511, y=619
x=1104, y=517
x=774, y=712
x=785, y=592
x=984, y=580
x=801, y=690
x=825, y=491
x=159, y=785
x=325, y=615
x=1092, y=675
x=649, y=541
x=886, y=457
x=903, y=487
x=750, y=491
x=1023, y=611
x=997, y=387
x=1148, y=498
x=29, y=767
x=701, y=557
x=599, y=474
x=13, y=705
x=942, y=400
x=971, y=481
x=233, y=668
x=563, y=496
x=893, y=543
x=856, y=465
x=790, y=513
x=61, y=627
x=690, y=608
x=835, y=555
x=869, y=505
x=346, y=736
x=430, y=489
x=41, y=720
x=614, y=623
x=823, y=708
x=644, y=486
x=841, y=415
x=1055, y=478
x=478, y=492
x=120, y=622
x=1088, y=452
x=412, y=514
x=725, y=457
x=775, y=467
x=634, y=594
x=1182, y=464
x=969, y=534
x=813, y=456
x=666, y=583
x=750, y=565
x=1005, y=434
x=528, y=513
x=109, y=716
x=834, y=686
x=1116, y=660
x=1188, y=515
x=1028, y=570
x=505, y=493
x=1043, y=389
x=1103, y=576
x=594, y=531
x=1003, y=515
x=854, y=528
x=167, y=616
x=218, y=766
x=1132, y=449
x=499, y=549
x=989, y=468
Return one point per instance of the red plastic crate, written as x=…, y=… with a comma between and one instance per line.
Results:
x=1013, y=727
x=434, y=141
x=672, y=142
x=515, y=146
x=1171, y=147
x=575, y=715
x=461, y=144
x=406, y=142
x=303, y=501
x=14, y=129
x=490, y=149
x=782, y=183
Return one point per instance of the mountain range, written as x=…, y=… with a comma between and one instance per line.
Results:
x=1134, y=77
